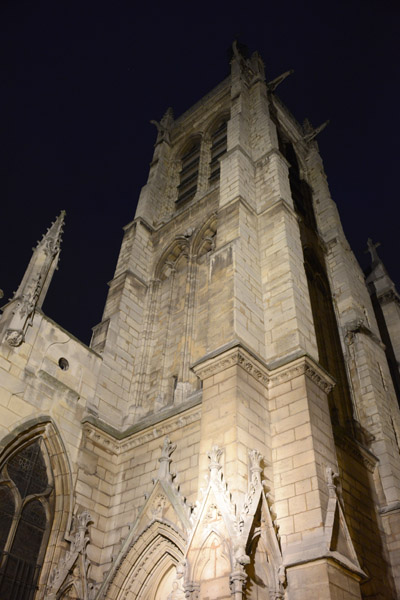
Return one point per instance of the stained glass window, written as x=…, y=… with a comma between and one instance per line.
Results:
x=26, y=507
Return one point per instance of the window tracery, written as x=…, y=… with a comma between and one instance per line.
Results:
x=26, y=512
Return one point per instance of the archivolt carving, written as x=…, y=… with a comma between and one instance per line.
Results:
x=221, y=529
x=151, y=554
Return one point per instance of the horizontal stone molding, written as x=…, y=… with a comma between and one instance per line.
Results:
x=304, y=365
x=116, y=442
x=233, y=356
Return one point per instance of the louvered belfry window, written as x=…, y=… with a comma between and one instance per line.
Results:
x=189, y=173
x=26, y=512
x=218, y=148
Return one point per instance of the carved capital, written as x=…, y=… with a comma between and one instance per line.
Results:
x=215, y=456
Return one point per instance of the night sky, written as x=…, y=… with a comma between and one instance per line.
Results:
x=81, y=81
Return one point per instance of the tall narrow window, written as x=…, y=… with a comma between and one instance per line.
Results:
x=218, y=148
x=26, y=513
x=189, y=173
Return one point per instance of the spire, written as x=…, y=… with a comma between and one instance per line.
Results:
x=18, y=313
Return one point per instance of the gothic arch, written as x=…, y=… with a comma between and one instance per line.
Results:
x=170, y=256
x=182, y=147
x=69, y=591
x=203, y=239
x=215, y=122
x=149, y=559
x=213, y=554
x=44, y=431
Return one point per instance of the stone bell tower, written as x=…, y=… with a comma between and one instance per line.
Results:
x=233, y=430
x=238, y=301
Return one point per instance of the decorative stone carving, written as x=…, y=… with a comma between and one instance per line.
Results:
x=192, y=590
x=15, y=337
x=165, y=460
x=272, y=85
x=331, y=476
x=310, y=133
x=73, y=568
x=164, y=126
x=337, y=535
x=157, y=508
x=303, y=366
x=233, y=356
x=30, y=293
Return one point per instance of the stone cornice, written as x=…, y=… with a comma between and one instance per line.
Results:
x=216, y=362
x=303, y=365
x=116, y=442
x=236, y=354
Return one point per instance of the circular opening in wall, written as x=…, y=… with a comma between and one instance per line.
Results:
x=63, y=364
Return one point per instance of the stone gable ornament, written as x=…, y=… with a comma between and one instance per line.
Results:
x=72, y=569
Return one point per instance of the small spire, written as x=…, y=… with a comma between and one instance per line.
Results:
x=19, y=312
x=51, y=240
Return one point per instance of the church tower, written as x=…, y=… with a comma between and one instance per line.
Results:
x=233, y=429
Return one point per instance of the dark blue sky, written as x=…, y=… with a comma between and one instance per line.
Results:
x=81, y=81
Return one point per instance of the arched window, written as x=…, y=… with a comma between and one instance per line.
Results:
x=218, y=148
x=189, y=172
x=26, y=515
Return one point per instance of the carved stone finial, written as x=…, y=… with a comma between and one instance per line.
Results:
x=164, y=126
x=74, y=565
x=255, y=466
x=372, y=250
x=215, y=455
x=51, y=240
x=165, y=460
x=167, y=448
x=330, y=479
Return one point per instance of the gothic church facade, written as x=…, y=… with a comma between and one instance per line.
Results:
x=233, y=429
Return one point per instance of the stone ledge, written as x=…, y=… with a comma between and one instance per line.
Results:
x=114, y=441
x=303, y=365
x=228, y=356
